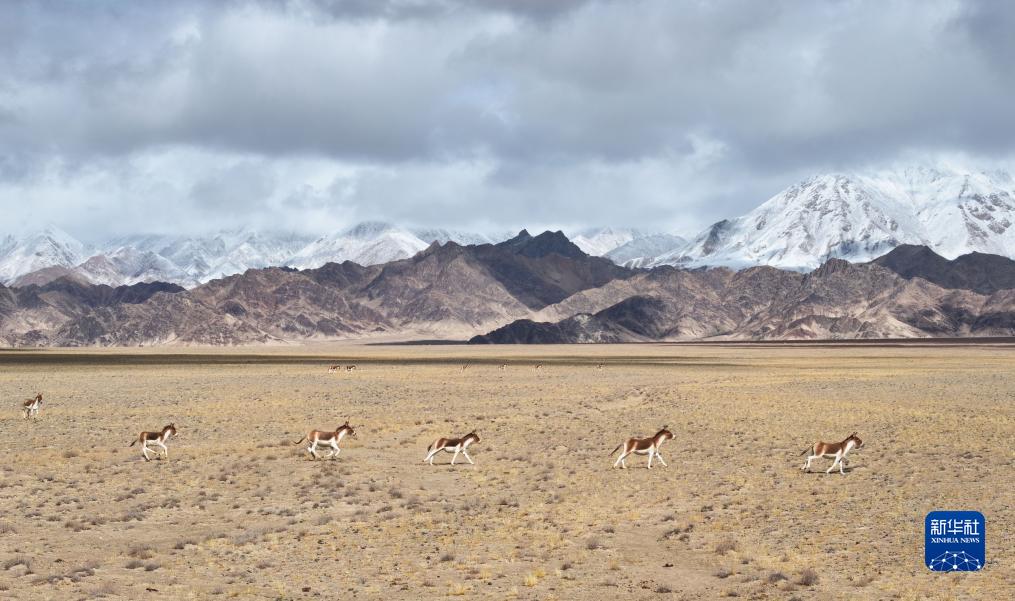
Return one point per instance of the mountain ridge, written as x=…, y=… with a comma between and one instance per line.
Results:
x=862, y=216
x=526, y=289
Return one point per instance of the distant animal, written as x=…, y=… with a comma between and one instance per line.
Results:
x=503, y=367
x=465, y=366
x=643, y=446
x=350, y=367
x=452, y=445
x=31, y=407
x=158, y=438
x=539, y=366
x=599, y=366
x=330, y=439
x=334, y=368
x=838, y=450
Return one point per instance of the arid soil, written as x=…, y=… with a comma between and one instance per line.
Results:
x=238, y=511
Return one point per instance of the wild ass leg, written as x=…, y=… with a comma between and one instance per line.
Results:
x=835, y=462
x=622, y=460
x=466, y=453
x=457, y=451
x=810, y=458
x=313, y=449
x=429, y=456
x=144, y=450
x=165, y=449
x=650, y=453
x=335, y=449
x=659, y=456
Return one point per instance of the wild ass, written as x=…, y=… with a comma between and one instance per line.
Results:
x=643, y=446
x=452, y=445
x=838, y=450
x=331, y=439
x=350, y=367
x=158, y=438
x=334, y=368
x=30, y=407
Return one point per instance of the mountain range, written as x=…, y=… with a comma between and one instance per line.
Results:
x=527, y=289
x=911, y=292
x=852, y=216
x=902, y=253
x=861, y=216
x=40, y=257
x=447, y=290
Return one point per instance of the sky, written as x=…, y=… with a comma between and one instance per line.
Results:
x=491, y=115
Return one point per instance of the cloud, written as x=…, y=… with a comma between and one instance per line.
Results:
x=504, y=113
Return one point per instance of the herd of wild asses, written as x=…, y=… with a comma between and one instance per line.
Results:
x=649, y=446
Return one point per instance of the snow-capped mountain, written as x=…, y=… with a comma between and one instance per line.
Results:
x=128, y=265
x=366, y=243
x=443, y=236
x=201, y=258
x=853, y=216
x=191, y=260
x=372, y=242
x=644, y=250
x=50, y=247
x=601, y=240
x=859, y=217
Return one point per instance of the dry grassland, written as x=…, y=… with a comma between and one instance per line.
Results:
x=237, y=511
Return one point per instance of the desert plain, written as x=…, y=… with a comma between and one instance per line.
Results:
x=238, y=511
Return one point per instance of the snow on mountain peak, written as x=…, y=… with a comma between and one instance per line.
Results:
x=600, y=241
x=861, y=216
x=48, y=247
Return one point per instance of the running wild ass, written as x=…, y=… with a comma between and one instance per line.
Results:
x=452, y=445
x=643, y=446
x=330, y=439
x=838, y=450
x=30, y=407
x=158, y=438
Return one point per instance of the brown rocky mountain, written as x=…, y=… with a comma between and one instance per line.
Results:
x=978, y=272
x=837, y=300
x=527, y=289
x=447, y=291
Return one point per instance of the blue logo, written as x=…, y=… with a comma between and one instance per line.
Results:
x=954, y=541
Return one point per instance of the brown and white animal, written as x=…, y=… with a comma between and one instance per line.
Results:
x=838, y=450
x=503, y=366
x=334, y=368
x=643, y=446
x=330, y=439
x=158, y=438
x=350, y=367
x=31, y=406
x=539, y=366
x=452, y=445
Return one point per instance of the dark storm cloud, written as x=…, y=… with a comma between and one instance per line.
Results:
x=458, y=113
